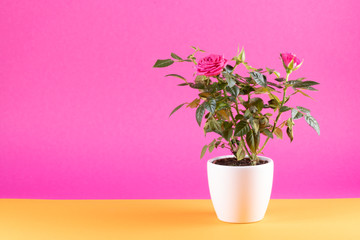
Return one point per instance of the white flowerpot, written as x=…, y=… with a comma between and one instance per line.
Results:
x=240, y=194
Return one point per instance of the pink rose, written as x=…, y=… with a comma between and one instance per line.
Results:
x=287, y=58
x=211, y=65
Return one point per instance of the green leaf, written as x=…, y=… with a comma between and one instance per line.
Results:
x=313, y=123
x=268, y=133
x=273, y=103
x=255, y=124
x=284, y=109
x=261, y=90
x=290, y=133
x=272, y=96
x=175, y=75
x=304, y=110
x=204, y=95
x=290, y=122
x=270, y=71
x=277, y=74
x=292, y=82
x=287, y=99
x=229, y=68
x=215, y=126
x=280, y=79
x=163, y=63
x=305, y=84
x=222, y=105
x=200, y=113
x=229, y=78
x=259, y=78
x=211, y=147
x=275, y=85
x=241, y=129
x=210, y=105
x=278, y=133
x=203, y=151
x=197, y=49
x=194, y=103
x=177, y=108
x=246, y=90
x=200, y=79
x=173, y=55
x=234, y=91
x=257, y=102
x=295, y=114
x=231, y=82
x=239, y=117
x=248, y=67
x=197, y=85
x=297, y=90
x=307, y=88
x=247, y=114
x=240, y=154
x=223, y=114
x=227, y=133
x=252, y=140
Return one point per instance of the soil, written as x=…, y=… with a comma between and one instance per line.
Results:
x=235, y=162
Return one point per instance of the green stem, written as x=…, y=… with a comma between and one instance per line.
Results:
x=234, y=67
x=243, y=142
x=232, y=117
x=234, y=121
x=242, y=139
x=237, y=106
x=278, y=116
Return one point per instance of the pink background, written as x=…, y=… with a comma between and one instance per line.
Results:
x=84, y=115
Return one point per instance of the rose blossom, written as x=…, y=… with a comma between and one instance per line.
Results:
x=211, y=65
x=287, y=57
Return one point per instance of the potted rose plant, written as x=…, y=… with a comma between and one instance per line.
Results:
x=244, y=111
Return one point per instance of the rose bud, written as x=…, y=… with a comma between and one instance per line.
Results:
x=290, y=61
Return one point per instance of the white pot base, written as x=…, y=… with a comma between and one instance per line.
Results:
x=239, y=221
x=240, y=194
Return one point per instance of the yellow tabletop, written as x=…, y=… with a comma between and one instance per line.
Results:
x=174, y=219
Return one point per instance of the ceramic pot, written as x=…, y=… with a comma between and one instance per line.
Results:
x=240, y=194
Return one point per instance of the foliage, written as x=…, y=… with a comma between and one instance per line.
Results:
x=242, y=110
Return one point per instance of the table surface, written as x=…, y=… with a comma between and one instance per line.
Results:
x=174, y=219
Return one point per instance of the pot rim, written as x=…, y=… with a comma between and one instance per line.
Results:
x=269, y=161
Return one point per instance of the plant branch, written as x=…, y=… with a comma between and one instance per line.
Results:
x=237, y=106
x=234, y=122
x=279, y=114
x=243, y=142
x=242, y=139
x=232, y=117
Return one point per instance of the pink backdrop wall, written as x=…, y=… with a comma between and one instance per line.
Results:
x=84, y=115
